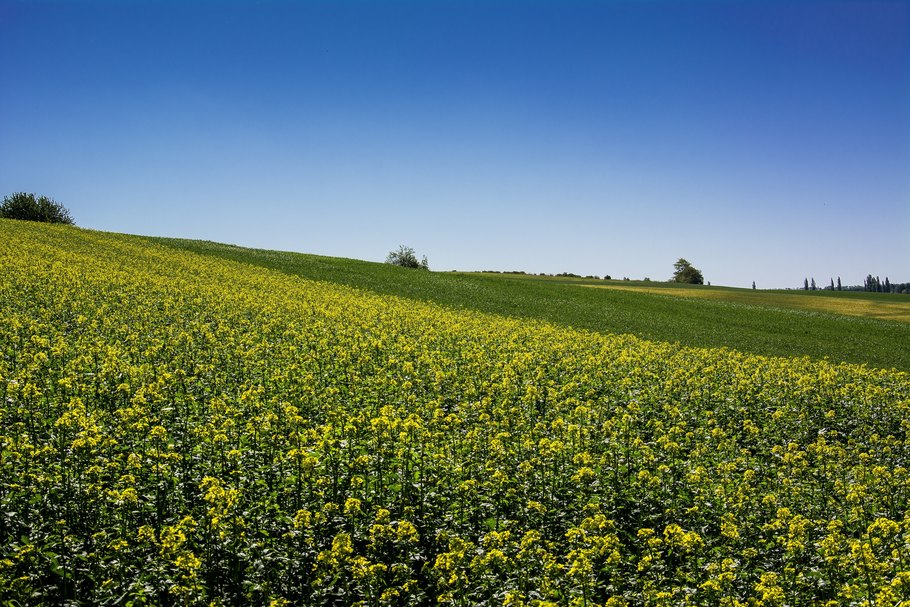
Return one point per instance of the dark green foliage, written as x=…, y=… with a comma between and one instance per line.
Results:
x=34, y=208
x=407, y=258
x=874, y=284
x=685, y=272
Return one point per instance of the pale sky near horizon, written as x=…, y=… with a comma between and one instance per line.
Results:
x=760, y=140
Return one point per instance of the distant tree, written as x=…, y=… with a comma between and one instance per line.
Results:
x=812, y=284
x=685, y=272
x=887, y=285
x=805, y=284
x=832, y=284
x=407, y=258
x=839, y=287
x=753, y=285
x=34, y=208
x=607, y=277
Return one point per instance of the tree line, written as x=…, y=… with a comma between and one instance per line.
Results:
x=871, y=284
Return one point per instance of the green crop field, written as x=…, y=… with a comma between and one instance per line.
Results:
x=186, y=423
x=762, y=322
x=881, y=306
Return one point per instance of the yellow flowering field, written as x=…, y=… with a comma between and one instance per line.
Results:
x=180, y=430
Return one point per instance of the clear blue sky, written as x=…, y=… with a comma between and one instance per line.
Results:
x=761, y=140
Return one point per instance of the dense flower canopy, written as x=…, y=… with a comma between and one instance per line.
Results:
x=181, y=430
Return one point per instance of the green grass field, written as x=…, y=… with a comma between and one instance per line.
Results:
x=880, y=306
x=774, y=323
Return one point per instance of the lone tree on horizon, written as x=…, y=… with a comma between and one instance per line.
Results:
x=686, y=273
x=407, y=258
x=30, y=207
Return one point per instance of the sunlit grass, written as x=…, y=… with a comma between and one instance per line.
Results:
x=877, y=306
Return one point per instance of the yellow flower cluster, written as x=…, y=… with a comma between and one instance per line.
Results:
x=176, y=429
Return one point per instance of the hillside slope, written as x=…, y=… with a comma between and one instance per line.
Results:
x=179, y=429
x=759, y=329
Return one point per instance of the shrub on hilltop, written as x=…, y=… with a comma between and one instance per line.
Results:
x=34, y=208
x=407, y=258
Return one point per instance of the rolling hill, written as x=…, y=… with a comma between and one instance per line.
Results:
x=875, y=330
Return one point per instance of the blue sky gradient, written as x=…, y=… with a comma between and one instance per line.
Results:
x=764, y=141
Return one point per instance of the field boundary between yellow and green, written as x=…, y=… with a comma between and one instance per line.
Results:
x=771, y=329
